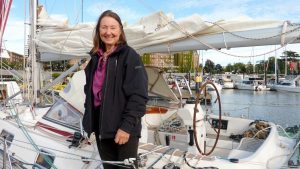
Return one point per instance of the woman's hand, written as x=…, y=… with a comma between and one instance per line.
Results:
x=121, y=137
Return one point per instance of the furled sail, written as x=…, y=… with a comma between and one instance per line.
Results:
x=160, y=33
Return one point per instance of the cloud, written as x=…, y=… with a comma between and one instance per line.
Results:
x=12, y=6
x=276, y=9
x=14, y=35
x=207, y=5
x=255, y=9
x=126, y=13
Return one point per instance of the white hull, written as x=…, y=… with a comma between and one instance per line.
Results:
x=218, y=86
x=228, y=85
x=251, y=87
x=288, y=85
x=32, y=135
x=283, y=88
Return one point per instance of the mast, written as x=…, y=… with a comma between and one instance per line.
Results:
x=285, y=62
x=35, y=67
x=276, y=76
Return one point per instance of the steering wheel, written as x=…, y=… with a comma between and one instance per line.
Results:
x=206, y=119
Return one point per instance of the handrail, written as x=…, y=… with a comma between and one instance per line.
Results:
x=179, y=91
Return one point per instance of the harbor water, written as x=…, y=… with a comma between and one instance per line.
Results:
x=283, y=108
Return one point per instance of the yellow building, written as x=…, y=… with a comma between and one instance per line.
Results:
x=183, y=62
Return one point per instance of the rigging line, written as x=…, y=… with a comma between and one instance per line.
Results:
x=154, y=150
x=180, y=161
x=78, y=12
x=20, y=159
x=195, y=157
x=7, y=153
x=147, y=5
x=65, y=41
x=212, y=47
x=274, y=157
x=187, y=163
x=29, y=138
x=52, y=6
x=178, y=27
x=57, y=156
x=173, y=153
x=263, y=38
x=44, y=147
x=118, y=163
x=8, y=69
x=287, y=135
x=159, y=158
x=25, y=45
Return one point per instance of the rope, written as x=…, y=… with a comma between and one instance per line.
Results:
x=194, y=157
x=26, y=134
x=287, y=135
x=249, y=38
x=178, y=27
x=157, y=149
x=7, y=153
x=183, y=30
x=164, y=153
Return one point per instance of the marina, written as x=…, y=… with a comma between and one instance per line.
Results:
x=280, y=107
x=201, y=123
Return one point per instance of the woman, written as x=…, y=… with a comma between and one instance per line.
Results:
x=116, y=92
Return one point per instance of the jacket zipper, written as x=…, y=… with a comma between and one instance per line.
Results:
x=104, y=94
x=116, y=66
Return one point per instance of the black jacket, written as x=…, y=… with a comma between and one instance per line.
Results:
x=124, y=94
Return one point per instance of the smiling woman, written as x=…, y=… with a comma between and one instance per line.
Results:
x=116, y=92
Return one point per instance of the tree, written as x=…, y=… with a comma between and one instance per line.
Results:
x=249, y=68
x=229, y=68
x=291, y=55
x=239, y=68
x=292, y=58
x=209, y=66
x=270, y=65
x=219, y=68
x=200, y=68
x=260, y=66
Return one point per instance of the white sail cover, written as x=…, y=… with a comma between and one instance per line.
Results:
x=157, y=85
x=73, y=93
x=56, y=40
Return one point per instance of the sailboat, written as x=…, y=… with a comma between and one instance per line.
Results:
x=252, y=83
x=175, y=133
x=288, y=85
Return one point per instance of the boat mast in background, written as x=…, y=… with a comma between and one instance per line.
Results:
x=276, y=73
x=34, y=81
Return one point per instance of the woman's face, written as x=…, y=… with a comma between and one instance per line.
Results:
x=110, y=31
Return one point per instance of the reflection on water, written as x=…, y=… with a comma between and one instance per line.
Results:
x=280, y=107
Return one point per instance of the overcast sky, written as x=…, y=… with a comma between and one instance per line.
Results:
x=131, y=10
